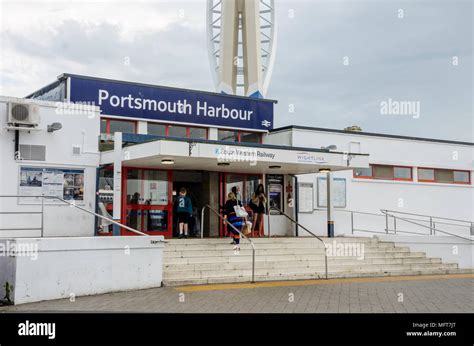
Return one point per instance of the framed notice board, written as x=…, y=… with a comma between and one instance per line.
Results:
x=51, y=181
x=305, y=197
x=338, y=192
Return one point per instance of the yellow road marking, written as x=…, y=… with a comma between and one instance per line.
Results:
x=218, y=287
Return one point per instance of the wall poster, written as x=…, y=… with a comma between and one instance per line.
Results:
x=51, y=181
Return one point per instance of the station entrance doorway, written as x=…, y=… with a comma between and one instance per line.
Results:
x=195, y=184
x=149, y=199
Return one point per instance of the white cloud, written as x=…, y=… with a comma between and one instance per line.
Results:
x=165, y=42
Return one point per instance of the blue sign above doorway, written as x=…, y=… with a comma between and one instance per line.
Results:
x=141, y=101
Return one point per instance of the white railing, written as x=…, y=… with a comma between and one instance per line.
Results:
x=41, y=212
x=397, y=222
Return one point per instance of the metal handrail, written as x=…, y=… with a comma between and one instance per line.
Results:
x=386, y=212
x=432, y=216
x=399, y=212
x=432, y=220
x=72, y=205
x=307, y=230
x=233, y=227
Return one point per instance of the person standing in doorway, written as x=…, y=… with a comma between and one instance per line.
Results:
x=259, y=201
x=236, y=192
x=231, y=216
x=185, y=209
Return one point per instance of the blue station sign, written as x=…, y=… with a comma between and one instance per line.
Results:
x=124, y=99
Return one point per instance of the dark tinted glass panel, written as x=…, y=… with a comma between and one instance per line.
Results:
x=228, y=136
x=122, y=126
x=197, y=132
x=250, y=137
x=383, y=172
x=177, y=131
x=461, y=177
x=156, y=129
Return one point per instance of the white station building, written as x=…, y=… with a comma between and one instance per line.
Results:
x=123, y=150
x=215, y=143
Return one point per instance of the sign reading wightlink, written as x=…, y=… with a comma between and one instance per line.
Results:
x=130, y=100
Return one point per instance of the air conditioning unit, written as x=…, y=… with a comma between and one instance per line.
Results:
x=23, y=114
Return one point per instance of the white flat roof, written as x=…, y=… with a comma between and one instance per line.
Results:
x=240, y=158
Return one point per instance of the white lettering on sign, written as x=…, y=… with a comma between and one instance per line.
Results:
x=178, y=107
x=222, y=112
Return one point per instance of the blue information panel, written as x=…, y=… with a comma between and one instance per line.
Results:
x=172, y=105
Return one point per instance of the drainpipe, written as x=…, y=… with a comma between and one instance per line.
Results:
x=16, y=154
x=296, y=203
x=329, y=203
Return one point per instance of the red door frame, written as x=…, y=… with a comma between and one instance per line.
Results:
x=169, y=207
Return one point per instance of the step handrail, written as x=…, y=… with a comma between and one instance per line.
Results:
x=399, y=212
x=307, y=230
x=72, y=205
x=387, y=213
x=234, y=228
x=431, y=220
x=425, y=215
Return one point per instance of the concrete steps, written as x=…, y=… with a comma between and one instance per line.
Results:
x=205, y=261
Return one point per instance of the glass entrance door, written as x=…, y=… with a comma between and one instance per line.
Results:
x=244, y=186
x=146, y=201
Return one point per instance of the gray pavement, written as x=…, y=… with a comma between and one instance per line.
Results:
x=430, y=296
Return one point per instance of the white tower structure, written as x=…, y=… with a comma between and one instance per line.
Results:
x=241, y=36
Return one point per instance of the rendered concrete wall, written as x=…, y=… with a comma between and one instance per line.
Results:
x=70, y=267
x=449, y=249
x=81, y=129
x=370, y=195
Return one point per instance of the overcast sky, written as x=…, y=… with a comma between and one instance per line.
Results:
x=418, y=51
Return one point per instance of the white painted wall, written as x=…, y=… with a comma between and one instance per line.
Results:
x=449, y=249
x=278, y=138
x=81, y=130
x=62, y=267
x=444, y=200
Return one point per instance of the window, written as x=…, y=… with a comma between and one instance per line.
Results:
x=177, y=131
x=112, y=125
x=425, y=174
x=384, y=172
x=239, y=136
x=227, y=136
x=250, y=137
x=149, y=187
x=363, y=172
x=121, y=126
x=461, y=177
x=157, y=129
x=402, y=173
x=444, y=176
x=197, y=133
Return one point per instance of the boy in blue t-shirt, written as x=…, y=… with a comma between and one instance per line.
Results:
x=184, y=209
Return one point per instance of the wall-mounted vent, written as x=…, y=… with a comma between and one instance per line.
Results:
x=33, y=152
x=76, y=150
